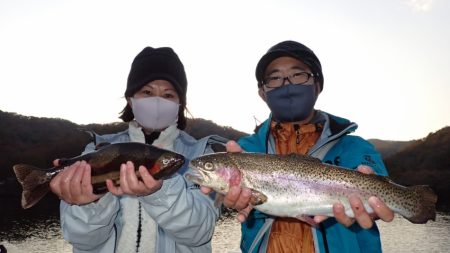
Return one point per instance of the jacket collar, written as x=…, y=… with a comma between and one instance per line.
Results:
x=333, y=128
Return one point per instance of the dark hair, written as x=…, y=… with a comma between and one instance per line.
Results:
x=292, y=49
x=157, y=64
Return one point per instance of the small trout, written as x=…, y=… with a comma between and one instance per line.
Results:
x=105, y=164
x=298, y=185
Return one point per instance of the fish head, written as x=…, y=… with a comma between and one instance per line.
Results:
x=216, y=171
x=167, y=164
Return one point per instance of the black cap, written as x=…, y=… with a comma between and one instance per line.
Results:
x=293, y=49
x=153, y=64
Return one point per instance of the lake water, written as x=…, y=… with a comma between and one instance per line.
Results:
x=43, y=235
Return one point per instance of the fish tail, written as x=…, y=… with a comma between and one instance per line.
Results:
x=425, y=206
x=34, y=181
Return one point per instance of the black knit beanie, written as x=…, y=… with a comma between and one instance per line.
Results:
x=292, y=49
x=153, y=64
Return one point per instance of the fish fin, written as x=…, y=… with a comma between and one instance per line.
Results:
x=35, y=183
x=218, y=200
x=307, y=219
x=257, y=198
x=426, y=204
x=304, y=157
x=31, y=197
x=386, y=179
x=101, y=145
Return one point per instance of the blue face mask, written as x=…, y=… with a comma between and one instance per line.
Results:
x=291, y=103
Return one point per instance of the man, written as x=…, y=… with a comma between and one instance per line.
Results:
x=290, y=80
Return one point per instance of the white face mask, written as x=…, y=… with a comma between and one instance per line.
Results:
x=154, y=113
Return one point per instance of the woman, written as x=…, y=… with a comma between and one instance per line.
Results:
x=149, y=215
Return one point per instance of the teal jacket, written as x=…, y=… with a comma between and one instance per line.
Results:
x=335, y=146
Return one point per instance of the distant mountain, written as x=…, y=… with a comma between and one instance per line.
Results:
x=425, y=161
x=431, y=152
x=388, y=148
x=38, y=141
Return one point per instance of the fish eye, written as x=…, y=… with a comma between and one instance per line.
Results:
x=209, y=166
x=165, y=161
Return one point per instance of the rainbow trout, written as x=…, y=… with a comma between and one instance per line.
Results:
x=105, y=164
x=298, y=185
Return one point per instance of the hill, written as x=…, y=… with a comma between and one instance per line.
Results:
x=38, y=141
x=425, y=161
x=389, y=148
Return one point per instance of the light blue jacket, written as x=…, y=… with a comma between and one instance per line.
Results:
x=335, y=146
x=185, y=217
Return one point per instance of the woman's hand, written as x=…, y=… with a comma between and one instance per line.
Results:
x=364, y=219
x=73, y=184
x=130, y=184
x=237, y=198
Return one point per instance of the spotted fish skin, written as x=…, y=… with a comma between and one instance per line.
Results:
x=295, y=185
x=105, y=164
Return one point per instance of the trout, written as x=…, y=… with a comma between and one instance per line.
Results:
x=299, y=186
x=105, y=164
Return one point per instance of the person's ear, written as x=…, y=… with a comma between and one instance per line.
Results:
x=262, y=93
x=128, y=101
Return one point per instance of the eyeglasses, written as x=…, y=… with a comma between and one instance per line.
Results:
x=278, y=81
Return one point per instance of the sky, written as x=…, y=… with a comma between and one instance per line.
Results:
x=386, y=63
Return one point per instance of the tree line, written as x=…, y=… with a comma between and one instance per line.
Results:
x=38, y=141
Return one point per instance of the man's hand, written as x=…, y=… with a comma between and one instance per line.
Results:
x=237, y=197
x=364, y=219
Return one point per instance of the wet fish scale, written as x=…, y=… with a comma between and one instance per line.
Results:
x=105, y=164
x=295, y=185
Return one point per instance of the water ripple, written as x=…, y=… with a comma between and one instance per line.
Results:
x=44, y=235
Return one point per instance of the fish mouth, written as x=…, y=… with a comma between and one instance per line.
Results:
x=196, y=175
x=179, y=162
